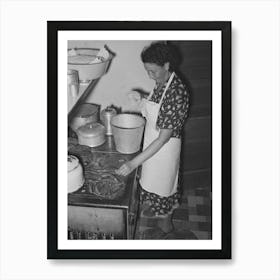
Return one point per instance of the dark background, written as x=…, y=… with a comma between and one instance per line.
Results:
x=196, y=70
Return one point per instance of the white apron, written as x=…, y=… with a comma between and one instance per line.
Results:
x=160, y=172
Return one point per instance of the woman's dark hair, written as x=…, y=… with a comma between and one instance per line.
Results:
x=160, y=53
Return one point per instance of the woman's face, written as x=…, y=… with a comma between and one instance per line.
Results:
x=156, y=72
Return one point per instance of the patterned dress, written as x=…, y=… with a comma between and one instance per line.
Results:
x=172, y=115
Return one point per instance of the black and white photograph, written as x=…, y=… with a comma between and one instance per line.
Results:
x=128, y=140
x=144, y=145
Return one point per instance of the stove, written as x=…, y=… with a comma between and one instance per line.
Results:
x=106, y=206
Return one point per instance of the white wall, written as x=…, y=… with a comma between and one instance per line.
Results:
x=126, y=72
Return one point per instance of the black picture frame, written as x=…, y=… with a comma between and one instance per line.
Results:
x=53, y=27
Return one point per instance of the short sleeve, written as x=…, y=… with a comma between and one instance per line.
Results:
x=174, y=109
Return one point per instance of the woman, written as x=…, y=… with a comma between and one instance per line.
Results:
x=165, y=110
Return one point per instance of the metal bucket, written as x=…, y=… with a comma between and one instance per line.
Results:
x=128, y=132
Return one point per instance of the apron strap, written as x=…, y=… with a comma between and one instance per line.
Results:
x=166, y=88
x=150, y=95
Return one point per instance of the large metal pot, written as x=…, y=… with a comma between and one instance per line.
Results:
x=87, y=113
x=91, y=134
x=76, y=177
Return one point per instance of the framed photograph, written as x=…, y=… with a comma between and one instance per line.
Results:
x=142, y=112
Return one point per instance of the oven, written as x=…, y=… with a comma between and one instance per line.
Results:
x=106, y=206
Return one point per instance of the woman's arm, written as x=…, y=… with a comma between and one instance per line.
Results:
x=154, y=147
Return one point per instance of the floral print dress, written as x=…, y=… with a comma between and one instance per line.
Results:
x=172, y=115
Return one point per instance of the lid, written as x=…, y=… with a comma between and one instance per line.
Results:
x=86, y=110
x=73, y=162
x=91, y=130
x=110, y=111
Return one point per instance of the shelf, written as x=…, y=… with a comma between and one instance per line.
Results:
x=75, y=101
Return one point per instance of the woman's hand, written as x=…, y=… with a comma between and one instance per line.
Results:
x=134, y=101
x=153, y=148
x=126, y=168
x=134, y=96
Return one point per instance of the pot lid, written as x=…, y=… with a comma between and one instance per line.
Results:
x=109, y=111
x=91, y=130
x=73, y=162
x=86, y=110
